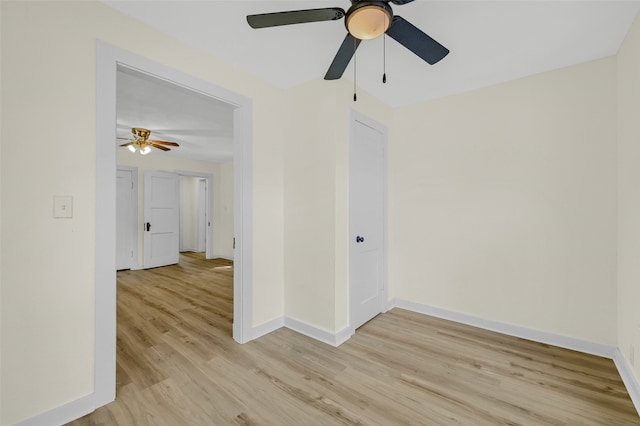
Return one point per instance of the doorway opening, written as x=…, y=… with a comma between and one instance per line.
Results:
x=195, y=215
x=207, y=212
x=110, y=61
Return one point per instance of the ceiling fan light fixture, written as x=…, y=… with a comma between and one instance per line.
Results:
x=140, y=142
x=369, y=21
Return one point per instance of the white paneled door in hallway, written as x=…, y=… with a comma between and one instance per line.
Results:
x=161, y=219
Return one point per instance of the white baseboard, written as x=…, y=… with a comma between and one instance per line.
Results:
x=629, y=379
x=62, y=414
x=343, y=335
x=390, y=304
x=221, y=256
x=267, y=327
x=333, y=339
x=511, y=330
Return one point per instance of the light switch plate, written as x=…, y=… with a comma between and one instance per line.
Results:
x=62, y=206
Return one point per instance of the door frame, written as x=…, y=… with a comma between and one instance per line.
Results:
x=358, y=117
x=134, y=213
x=108, y=60
x=209, y=250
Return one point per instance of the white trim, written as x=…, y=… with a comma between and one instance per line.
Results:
x=243, y=221
x=267, y=327
x=219, y=256
x=390, y=305
x=628, y=378
x=105, y=272
x=317, y=333
x=108, y=59
x=62, y=414
x=343, y=335
x=566, y=342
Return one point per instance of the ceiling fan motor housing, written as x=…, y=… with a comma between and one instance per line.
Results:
x=141, y=133
x=366, y=20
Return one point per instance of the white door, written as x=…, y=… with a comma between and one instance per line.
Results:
x=161, y=219
x=367, y=176
x=202, y=215
x=124, y=219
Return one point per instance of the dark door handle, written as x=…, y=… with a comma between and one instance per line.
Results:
x=148, y=226
x=359, y=239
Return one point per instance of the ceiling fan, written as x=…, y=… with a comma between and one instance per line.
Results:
x=140, y=142
x=364, y=20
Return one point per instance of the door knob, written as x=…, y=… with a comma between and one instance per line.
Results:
x=148, y=226
x=359, y=239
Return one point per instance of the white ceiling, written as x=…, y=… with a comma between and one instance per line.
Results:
x=203, y=126
x=490, y=41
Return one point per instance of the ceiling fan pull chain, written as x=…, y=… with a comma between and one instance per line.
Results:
x=355, y=61
x=384, y=58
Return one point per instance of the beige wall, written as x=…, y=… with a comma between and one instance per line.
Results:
x=503, y=203
x=316, y=200
x=48, y=148
x=309, y=200
x=629, y=196
x=223, y=211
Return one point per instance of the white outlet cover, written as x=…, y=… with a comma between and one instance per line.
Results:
x=62, y=206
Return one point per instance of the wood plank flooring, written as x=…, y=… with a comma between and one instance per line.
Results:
x=178, y=365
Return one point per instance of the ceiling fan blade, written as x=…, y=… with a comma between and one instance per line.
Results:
x=342, y=58
x=416, y=41
x=160, y=147
x=400, y=2
x=124, y=139
x=163, y=143
x=127, y=144
x=275, y=19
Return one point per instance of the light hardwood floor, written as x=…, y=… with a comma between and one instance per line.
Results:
x=178, y=365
